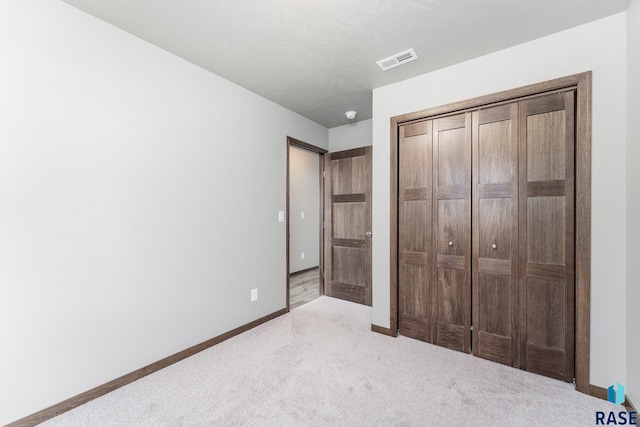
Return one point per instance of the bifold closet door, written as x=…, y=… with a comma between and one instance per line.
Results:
x=504, y=175
x=451, y=295
x=495, y=233
x=414, y=221
x=546, y=226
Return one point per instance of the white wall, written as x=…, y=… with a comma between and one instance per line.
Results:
x=599, y=46
x=137, y=206
x=352, y=135
x=304, y=197
x=633, y=203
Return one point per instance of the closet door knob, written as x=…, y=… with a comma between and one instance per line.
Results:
x=450, y=243
x=494, y=246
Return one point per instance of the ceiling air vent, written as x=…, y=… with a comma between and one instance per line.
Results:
x=397, y=59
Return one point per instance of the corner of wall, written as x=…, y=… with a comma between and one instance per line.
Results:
x=352, y=135
x=633, y=203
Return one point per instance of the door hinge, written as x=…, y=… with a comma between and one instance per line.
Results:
x=472, y=327
x=324, y=174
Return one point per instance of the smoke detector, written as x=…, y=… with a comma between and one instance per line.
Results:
x=397, y=59
x=351, y=115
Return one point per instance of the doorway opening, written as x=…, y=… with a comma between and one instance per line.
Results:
x=304, y=220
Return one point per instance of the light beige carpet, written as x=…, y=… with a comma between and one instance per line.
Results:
x=321, y=365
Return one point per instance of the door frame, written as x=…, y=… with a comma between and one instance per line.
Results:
x=581, y=83
x=321, y=152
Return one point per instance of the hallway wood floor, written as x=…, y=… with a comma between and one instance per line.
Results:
x=303, y=288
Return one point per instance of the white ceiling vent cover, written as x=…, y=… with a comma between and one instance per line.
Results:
x=397, y=59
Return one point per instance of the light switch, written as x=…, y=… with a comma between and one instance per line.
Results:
x=280, y=216
x=301, y=215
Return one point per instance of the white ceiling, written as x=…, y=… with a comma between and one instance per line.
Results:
x=318, y=57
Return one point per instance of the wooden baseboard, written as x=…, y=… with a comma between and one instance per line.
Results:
x=602, y=393
x=384, y=331
x=599, y=392
x=67, y=405
x=306, y=270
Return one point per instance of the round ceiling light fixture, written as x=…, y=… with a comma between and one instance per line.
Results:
x=351, y=115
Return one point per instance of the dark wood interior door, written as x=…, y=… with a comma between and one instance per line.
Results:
x=451, y=296
x=348, y=225
x=415, y=250
x=495, y=233
x=547, y=235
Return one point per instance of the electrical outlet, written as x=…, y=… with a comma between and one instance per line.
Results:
x=254, y=294
x=301, y=255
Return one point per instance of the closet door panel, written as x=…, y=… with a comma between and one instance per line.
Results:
x=416, y=212
x=494, y=330
x=545, y=155
x=495, y=216
x=495, y=138
x=451, y=310
x=415, y=233
x=452, y=228
x=416, y=300
x=494, y=304
x=546, y=326
x=495, y=233
x=546, y=340
x=452, y=274
x=546, y=213
x=451, y=300
x=452, y=156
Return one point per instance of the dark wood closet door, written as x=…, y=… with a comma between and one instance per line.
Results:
x=348, y=225
x=415, y=243
x=495, y=233
x=451, y=296
x=547, y=235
